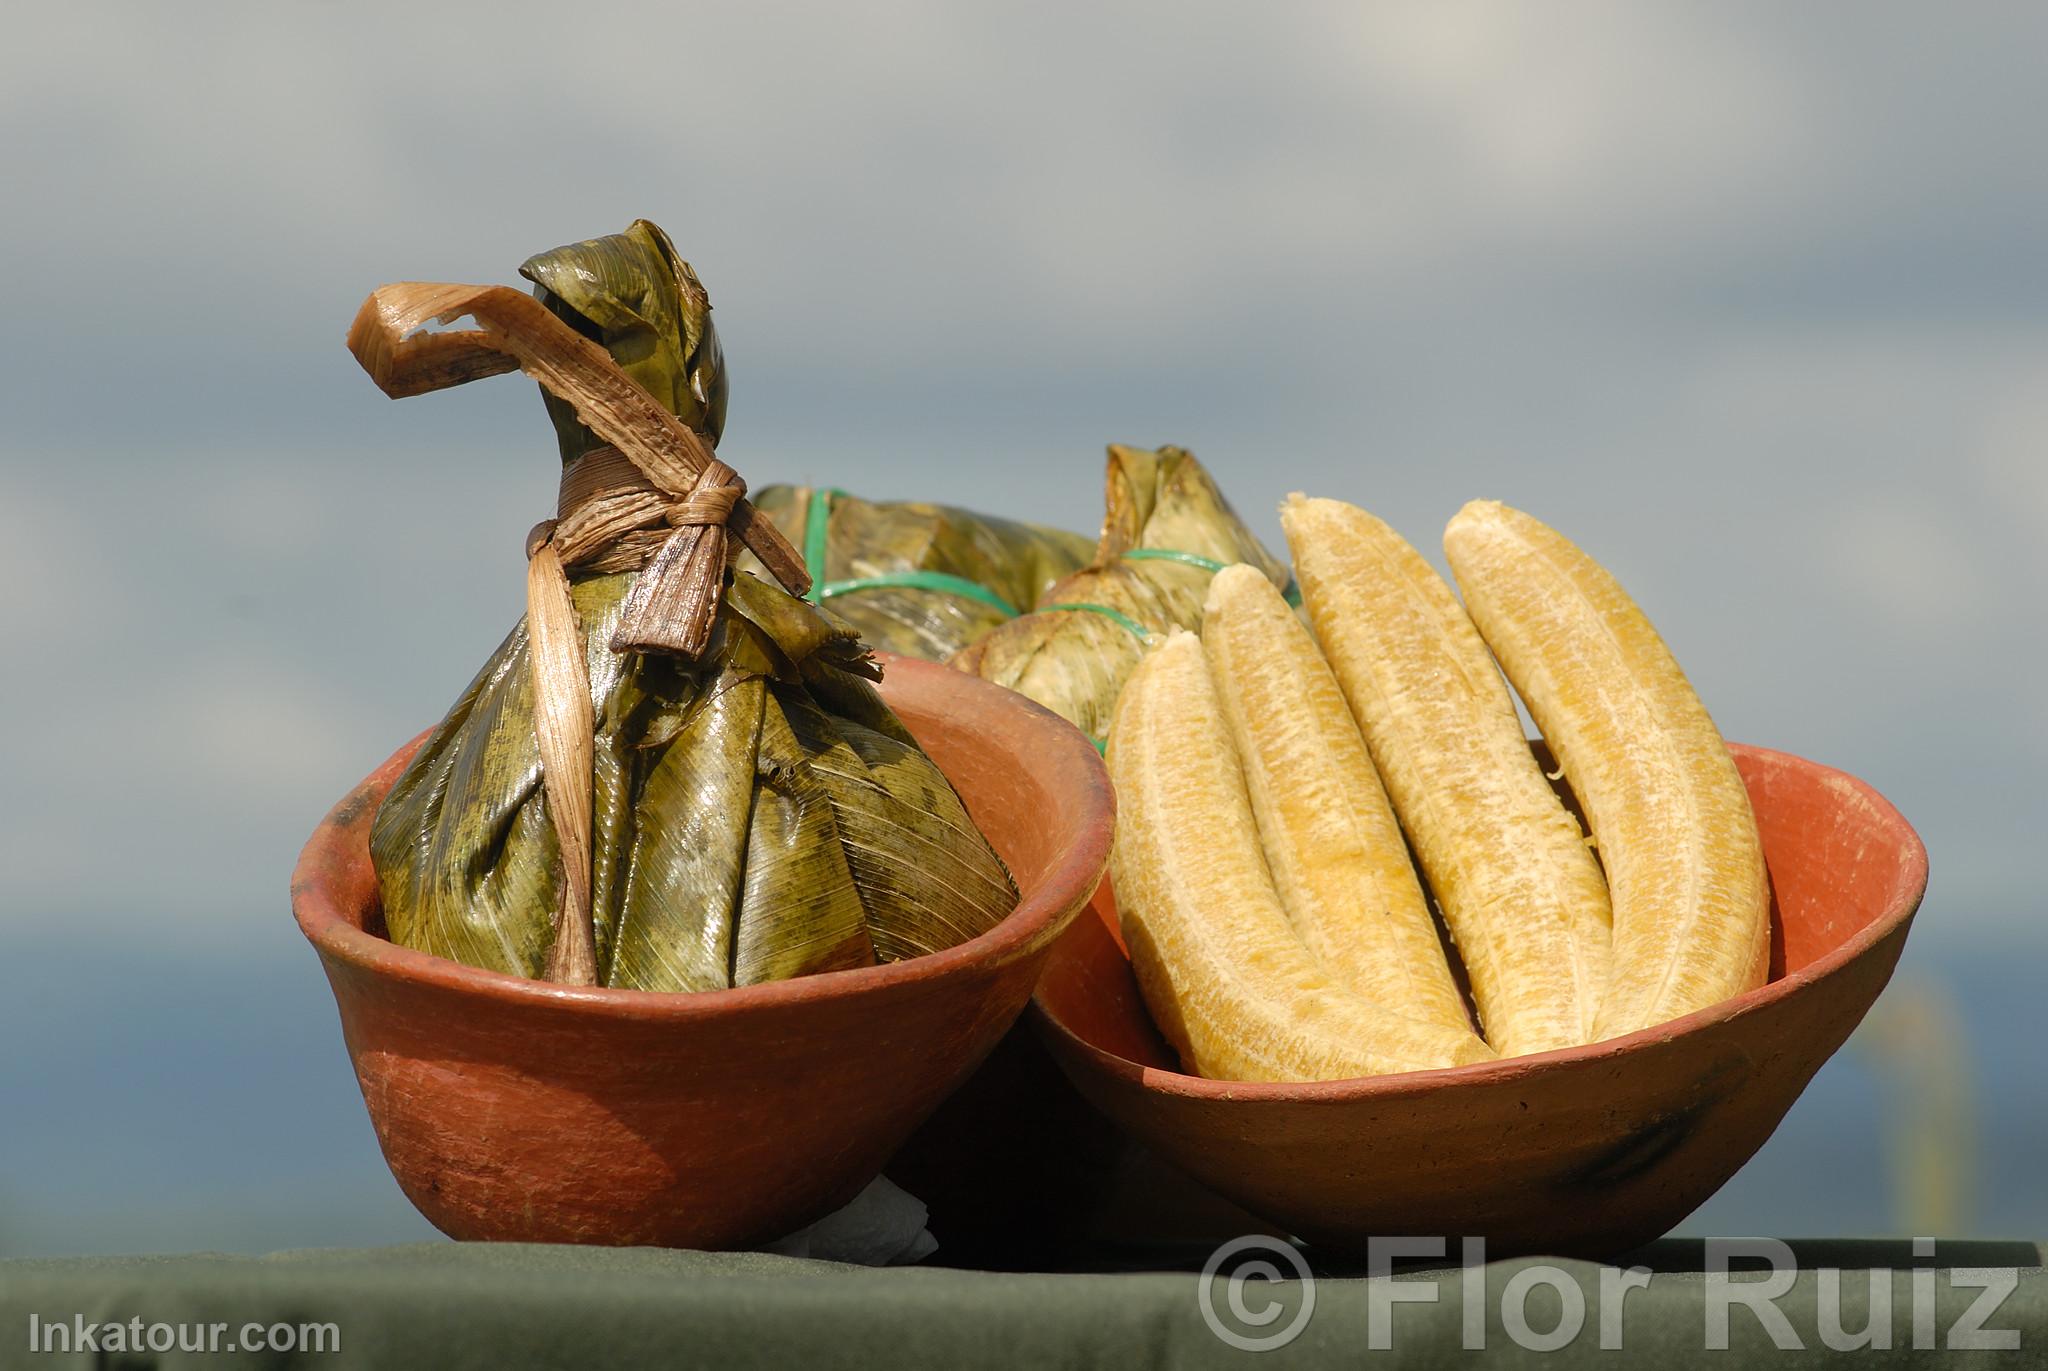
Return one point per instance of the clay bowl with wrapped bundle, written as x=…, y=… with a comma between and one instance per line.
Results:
x=515, y=1109
x=691, y=909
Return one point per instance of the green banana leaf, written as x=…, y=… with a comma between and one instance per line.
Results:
x=631, y=292
x=999, y=560
x=1166, y=531
x=758, y=814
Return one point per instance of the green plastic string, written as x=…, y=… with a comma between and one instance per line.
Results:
x=816, y=519
x=1117, y=616
x=817, y=522
x=1167, y=554
x=922, y=580
x=1292, y=592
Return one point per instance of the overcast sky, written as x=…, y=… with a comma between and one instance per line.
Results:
x=1745, y=298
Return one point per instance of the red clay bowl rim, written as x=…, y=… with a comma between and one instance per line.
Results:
x=1038, y=917
x=1905, y=900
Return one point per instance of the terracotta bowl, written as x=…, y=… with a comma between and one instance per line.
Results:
x=1591, y=1150
x=514, y=1110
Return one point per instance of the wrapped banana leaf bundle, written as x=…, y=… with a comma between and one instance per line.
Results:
x=672, y=775
x=920, y=579
x=1166, y=532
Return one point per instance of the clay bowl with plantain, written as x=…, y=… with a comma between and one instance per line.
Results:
x=517, y=1110
x=1586, y=1151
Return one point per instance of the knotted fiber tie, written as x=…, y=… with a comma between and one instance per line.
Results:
x=610, y=517
x=655, y=501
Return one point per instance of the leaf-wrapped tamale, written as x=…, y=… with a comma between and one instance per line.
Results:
x=1166, y=532
x=756, y=811
x=920, y=579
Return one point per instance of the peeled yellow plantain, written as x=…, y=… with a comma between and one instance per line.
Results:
x=1331, y=841
x=1228, y=981
x=1666, y=805
x=1523, y=898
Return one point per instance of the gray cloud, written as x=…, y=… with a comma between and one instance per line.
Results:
x=1743, y=297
